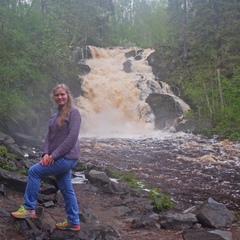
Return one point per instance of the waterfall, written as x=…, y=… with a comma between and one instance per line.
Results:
x=114, y=104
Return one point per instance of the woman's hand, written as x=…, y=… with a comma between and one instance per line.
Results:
x=47, y=160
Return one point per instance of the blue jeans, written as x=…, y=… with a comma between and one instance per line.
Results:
x=61, y=169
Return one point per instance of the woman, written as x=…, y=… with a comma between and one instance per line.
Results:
x=60, y=155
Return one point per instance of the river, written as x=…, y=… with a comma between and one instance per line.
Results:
x=118, y=131
x=187, y=167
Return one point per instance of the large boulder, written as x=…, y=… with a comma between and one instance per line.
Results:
x=81, y=53
x=165, y=109
x=10, y=144
x=13, y=180
x=177, y=221
x=214, y=214
x=24, y=139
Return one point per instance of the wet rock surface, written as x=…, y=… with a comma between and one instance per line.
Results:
x=103, y=216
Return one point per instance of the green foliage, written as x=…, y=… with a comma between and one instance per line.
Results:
x=80, y=167
x=34, y=56
x=236, y=216
x=4, y=159
x=211, y=37
x=113, y=173
x=43, y=184
x=141, y=23
x=3, y=151
x=23, y=171
x=4, y=164
x=131, y=180
x=126, y=177
x=160, y=201
x=5, y=156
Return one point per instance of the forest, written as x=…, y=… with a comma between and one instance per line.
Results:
x=196, y=44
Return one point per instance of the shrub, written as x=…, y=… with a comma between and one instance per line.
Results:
x=113, y=173
x=160, y=201
x=131, y=180
x=3, y=151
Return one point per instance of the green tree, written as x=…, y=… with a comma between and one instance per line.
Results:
x=141, y=23
x=34, y=57
x=213, y=61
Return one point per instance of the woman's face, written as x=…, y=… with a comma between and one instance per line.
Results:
x=60, y=96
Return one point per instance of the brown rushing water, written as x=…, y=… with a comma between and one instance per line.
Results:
x=187, y=167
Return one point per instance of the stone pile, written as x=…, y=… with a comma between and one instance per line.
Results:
x=208, y=221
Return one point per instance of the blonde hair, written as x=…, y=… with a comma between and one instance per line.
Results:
x=66, y=108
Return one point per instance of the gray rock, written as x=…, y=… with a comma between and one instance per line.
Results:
x=225, y=234
x=21, y=139
x=138, y=57
x=214, y=214
x=4, y=213
x=44, y=198
x=115, y=188
x=97, y=177
x=185, y=126
x=79, y=54
x=177, y=221
x=84, y=68
x=48, y=204
x=48, y=189
x=203, y=235
x=144, y=221
x=127, y=66
x=13, y=180
x=131, y=53
x=10, y=144
x=88, y=217
x=165, y=109
x=88, y=232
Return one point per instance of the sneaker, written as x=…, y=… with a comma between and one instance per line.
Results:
x=24, y=213
x=68, y=226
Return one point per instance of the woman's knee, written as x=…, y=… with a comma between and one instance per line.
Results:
x=31, y=171
x=34, y=170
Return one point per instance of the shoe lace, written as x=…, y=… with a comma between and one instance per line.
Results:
x=21, y=209
x=65, y=223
